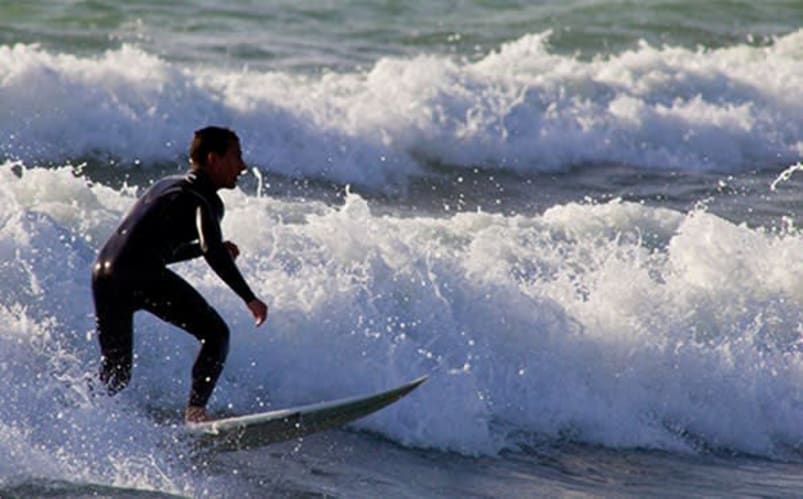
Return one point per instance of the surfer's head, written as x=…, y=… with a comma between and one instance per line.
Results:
x=216, y=151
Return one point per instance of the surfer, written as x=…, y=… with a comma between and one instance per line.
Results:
x=176, y=219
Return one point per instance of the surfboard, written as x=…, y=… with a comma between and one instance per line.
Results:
x=257, y=430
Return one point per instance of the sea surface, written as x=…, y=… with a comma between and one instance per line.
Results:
x=581, y=219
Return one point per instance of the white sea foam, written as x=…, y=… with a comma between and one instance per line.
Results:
x=617, y=324
x=521, y=108
x=52, y=427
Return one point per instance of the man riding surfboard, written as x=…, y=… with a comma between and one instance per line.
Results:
x=176, y=219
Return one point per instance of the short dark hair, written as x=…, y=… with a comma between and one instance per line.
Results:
x=210, y=139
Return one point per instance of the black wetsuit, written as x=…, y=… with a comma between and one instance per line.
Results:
x=178, y=218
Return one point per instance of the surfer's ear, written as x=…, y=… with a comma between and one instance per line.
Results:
x=205, y=164
x=211, y=159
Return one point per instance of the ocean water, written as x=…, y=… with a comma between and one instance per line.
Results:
x=581, y=219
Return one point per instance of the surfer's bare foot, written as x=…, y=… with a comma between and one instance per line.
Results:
x=195, y=414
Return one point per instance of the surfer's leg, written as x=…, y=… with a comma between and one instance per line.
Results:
x=114, y=321
x=172, y=299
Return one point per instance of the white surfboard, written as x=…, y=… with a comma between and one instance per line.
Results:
x=256, y=430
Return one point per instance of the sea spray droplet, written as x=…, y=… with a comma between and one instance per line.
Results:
x=786, y=175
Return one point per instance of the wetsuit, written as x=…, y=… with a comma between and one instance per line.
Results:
x=178, y=218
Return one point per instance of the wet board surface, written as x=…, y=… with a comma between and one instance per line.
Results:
x=257, y=430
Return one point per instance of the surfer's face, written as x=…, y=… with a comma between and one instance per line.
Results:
x=226, y=169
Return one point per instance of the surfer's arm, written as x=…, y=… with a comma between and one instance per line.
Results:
x=185, y=252
x=218, y=254
x=192, y=250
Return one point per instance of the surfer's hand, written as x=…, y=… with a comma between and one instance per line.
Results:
x=234, y=251
x=259, y=310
